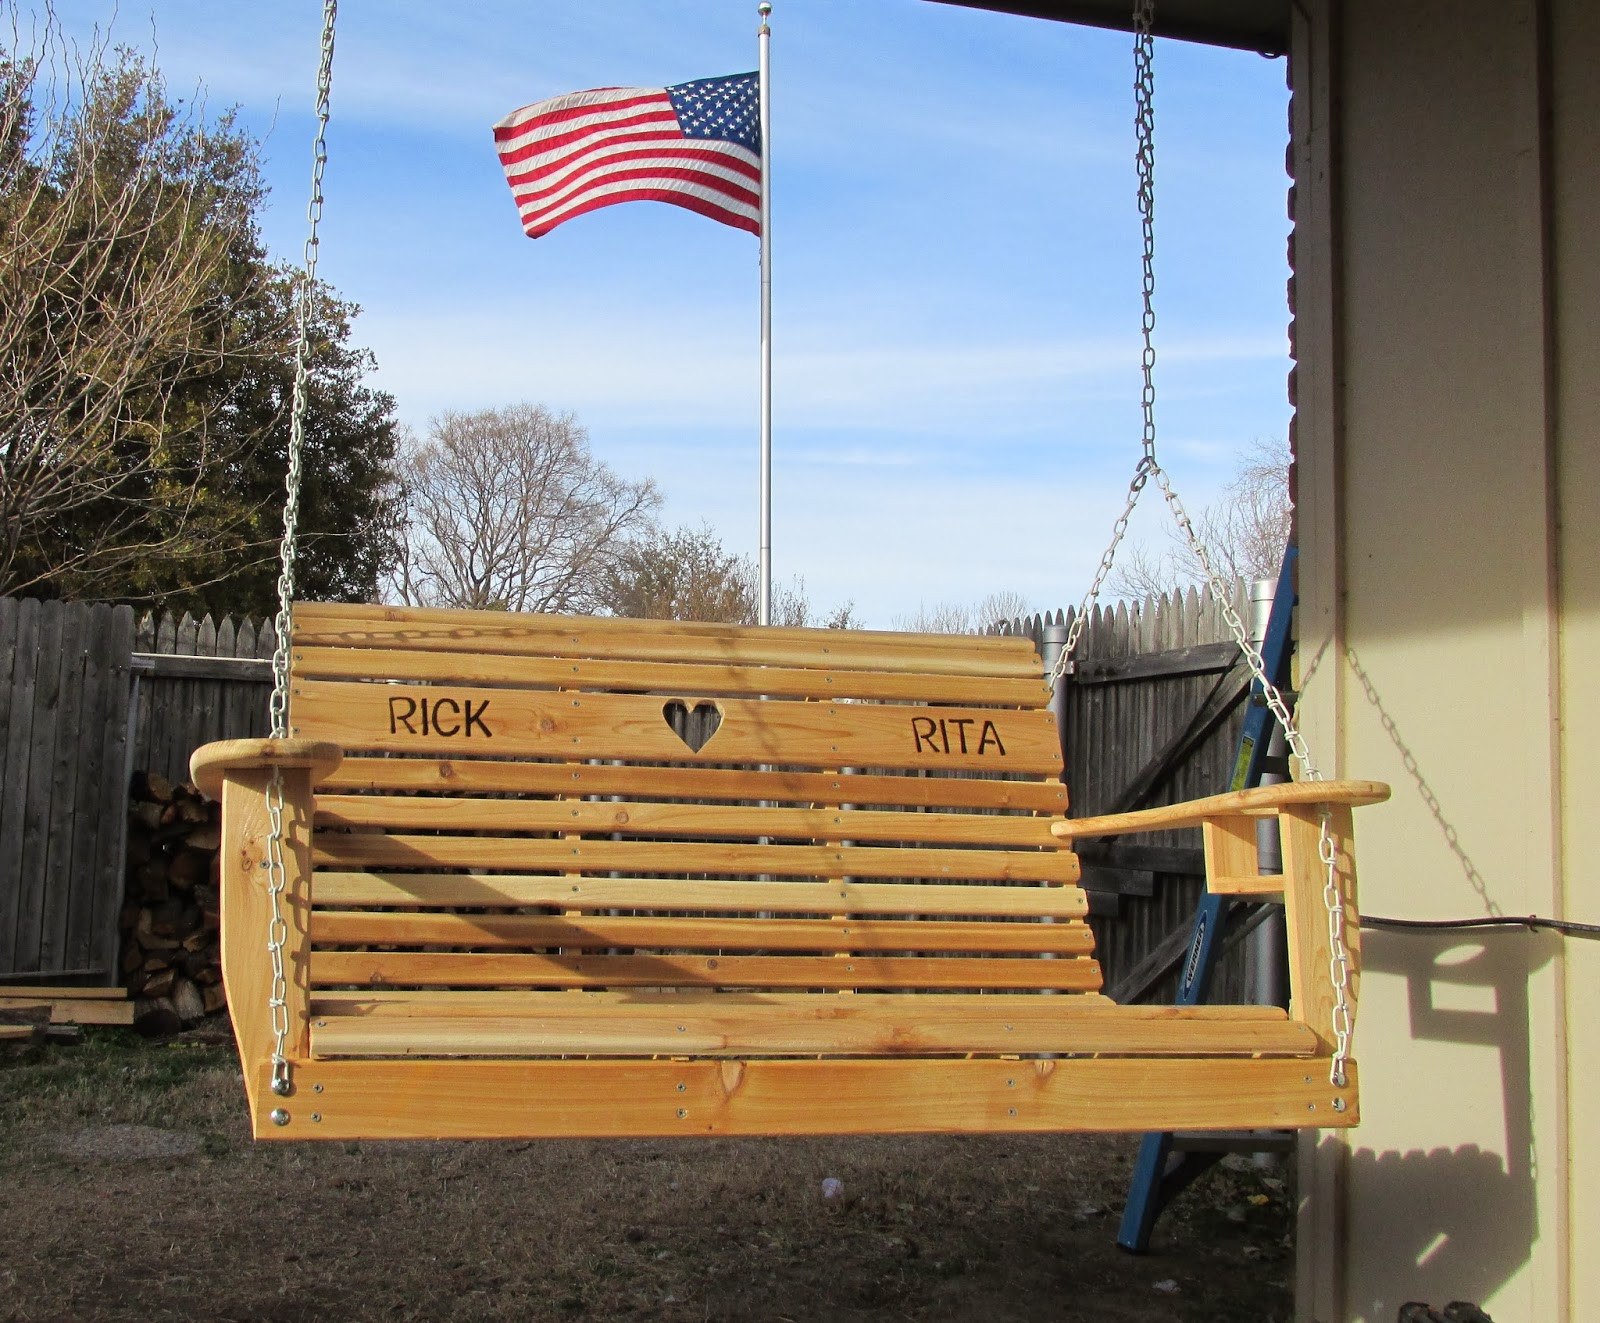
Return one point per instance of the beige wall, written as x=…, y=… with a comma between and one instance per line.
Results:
x=1448, y=158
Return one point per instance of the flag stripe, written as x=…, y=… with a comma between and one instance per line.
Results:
x=739, y=220
x=640, y=165
x=728, y=156
x=575, y=153
x=659, y=189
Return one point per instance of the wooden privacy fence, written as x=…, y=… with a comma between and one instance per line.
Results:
x=89, y=694
x=1150, y=714
x=64, y=702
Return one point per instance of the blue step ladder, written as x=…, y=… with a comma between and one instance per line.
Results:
x=1169, y=1163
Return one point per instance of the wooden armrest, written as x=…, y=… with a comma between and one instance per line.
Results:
x=1260, y=800
x=211, y=763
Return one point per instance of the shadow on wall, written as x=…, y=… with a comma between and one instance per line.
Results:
x=1450, y=1224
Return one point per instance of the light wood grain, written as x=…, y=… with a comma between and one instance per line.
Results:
x=500, y=932
x=643, y=1099
x=247, y=911
x=646, y=819
x=444, y=889
x=711, y=679
x=1311, y=993
x=319, y=624
x=519, y=722
x=491, y=969
x=362, y=851
x=1259, y=800
x=731, y=1024
x=468, y=776
x=211, y=762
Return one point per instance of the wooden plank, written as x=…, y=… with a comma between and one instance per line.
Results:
x=642, y=1099
x=240, y=670
x=732, y=1024
x=1311, y=991
x=349, y=888
x=498, y=969
x=431, y=629
x=1199, y=659
x=41, y=771
x=1233, y=862
x=15, y=716
x=40, y=993
x=1260, y=800
x=109, y=811
x=88, y=1011
x=644, y=819
x=499, y=932
x=719, y=679
x=67, y=763
x=468, y=776
x=509, y=722
x=10, y=1033
x=366, y=852
x=247, y=916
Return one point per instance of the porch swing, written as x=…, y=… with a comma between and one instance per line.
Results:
x=500, y=875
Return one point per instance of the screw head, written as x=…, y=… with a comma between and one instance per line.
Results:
x=278, y=1116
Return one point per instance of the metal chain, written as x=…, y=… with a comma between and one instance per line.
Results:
x=1150, y=467
x=277, y=873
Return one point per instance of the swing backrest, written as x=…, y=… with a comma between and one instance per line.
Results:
x=635, y=804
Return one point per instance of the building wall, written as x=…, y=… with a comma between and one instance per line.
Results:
x=1448, y=197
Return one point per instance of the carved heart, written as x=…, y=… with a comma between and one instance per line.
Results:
x=693, y=725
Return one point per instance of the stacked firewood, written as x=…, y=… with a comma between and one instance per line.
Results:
x=171, y=957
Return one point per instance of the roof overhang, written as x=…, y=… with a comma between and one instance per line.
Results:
x=1252, y=25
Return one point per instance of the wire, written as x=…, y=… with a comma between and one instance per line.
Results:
x=1532, y=922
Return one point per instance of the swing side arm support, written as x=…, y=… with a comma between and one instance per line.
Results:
x=1228, y=825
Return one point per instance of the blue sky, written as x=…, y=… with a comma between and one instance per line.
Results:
x=955, y=250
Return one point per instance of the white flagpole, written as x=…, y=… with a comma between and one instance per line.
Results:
x=766, y=328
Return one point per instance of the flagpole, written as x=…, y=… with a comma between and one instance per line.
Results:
x=765, y=617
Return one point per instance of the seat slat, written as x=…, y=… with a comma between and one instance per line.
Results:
x=500, y=969
x=707, y=679
x=469, y=776
x=733, y=1024
x=417, y=719
x=446, y=889
x=382, y=628
x=492, y=932
x=366, y=851
x=645, y=819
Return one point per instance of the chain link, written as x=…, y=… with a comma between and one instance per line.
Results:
x=277, y=872
x=1150, y=467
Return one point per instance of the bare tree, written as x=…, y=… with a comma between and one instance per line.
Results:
x=1245, y=532
x=120, y=219
x=507, y=509
x=687, y=574
x=962, y=617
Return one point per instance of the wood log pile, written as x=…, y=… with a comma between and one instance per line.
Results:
x=171, y=918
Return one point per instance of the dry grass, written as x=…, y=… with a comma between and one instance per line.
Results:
x=128, y=1190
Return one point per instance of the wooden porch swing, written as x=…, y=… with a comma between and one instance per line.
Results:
x=507, y=875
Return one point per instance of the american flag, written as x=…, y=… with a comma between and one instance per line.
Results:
x=695, y=145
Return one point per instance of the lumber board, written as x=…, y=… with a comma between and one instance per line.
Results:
x=500, y=932
x=490, y=969
x=1258, y=800
x=419, y=719
x=73, y=993
x=647, y=819
x=69, y=1010
x=714, y=678
x=470, y=1099
x=583, y=893
x=730, y=1024
x=319, y=624
x=467, y=776
x=14, y=1032
x=364, y=851
x=1311, y=992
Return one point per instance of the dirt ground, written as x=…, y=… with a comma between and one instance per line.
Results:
x=129, y=1190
